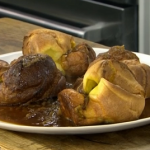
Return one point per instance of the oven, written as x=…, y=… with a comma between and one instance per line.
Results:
x=108, y=22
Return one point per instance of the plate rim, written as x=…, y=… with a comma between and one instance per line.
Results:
x=74, y=130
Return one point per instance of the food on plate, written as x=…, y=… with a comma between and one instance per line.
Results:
x=3, y=67
x=118, y=53
x=30, y=78
x=76, y=62
x=141, y=71
x=71, y=59
x=108, y=93
x=50, y=42
x=142, y=74
x=109, y=88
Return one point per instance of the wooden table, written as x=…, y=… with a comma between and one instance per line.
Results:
x=11, y=36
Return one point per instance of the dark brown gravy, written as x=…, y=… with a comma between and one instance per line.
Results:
x=146, y=111
x=45, y=113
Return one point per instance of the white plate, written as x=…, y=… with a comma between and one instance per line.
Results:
x=75, y=130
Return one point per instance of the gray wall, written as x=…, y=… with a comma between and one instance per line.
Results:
x=144, y=26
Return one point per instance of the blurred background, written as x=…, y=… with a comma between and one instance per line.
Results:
x=108, y=22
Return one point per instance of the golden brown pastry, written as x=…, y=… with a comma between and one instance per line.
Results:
x=3, y=67
x=76, y=62
x=71, y=59
x=110, y=94
x=50, y=42
x=30, y=78
x=141, y=71
x=119, y=53
x=142, y=74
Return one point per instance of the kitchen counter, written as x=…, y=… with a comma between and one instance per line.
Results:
x=11, y=37
x=12, y=33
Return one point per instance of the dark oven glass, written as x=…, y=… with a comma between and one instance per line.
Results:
x=109, y=22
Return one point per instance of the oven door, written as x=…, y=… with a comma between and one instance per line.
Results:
x=91, y=20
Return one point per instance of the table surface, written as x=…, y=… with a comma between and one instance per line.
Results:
x=11, y=37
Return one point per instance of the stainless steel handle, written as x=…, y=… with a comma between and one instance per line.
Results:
x=101, y=30
x=96, y=32
x=40, y=21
